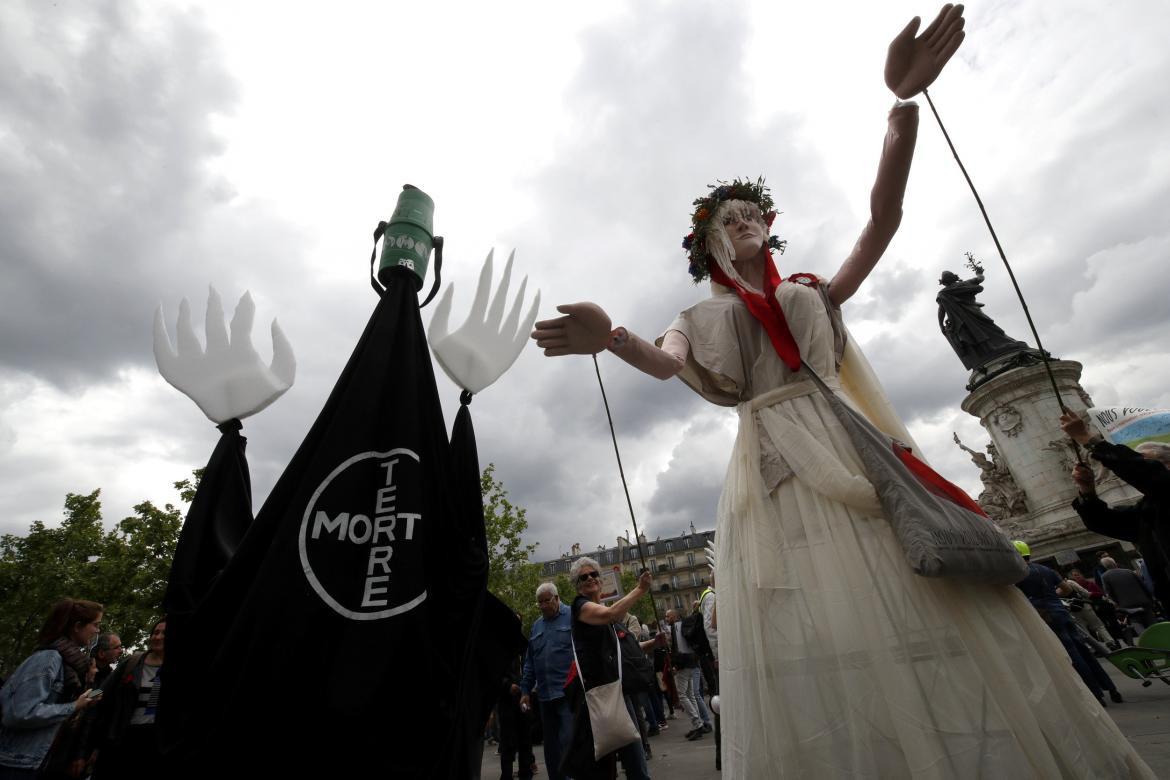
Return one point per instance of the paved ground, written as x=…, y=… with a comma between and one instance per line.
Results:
x=1144, y=718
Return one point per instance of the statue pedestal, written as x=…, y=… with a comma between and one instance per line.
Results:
x=1021, y=413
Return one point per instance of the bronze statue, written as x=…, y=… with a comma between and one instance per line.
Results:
x=973, y=335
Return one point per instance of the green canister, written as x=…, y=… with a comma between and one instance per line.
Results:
x=409, y=235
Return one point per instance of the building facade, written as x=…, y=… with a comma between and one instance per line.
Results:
x=678, y=564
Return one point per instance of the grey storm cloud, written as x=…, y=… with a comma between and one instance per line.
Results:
x=115, y=199
x=108, y=131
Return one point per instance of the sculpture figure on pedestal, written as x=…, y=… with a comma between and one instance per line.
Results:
x=973, y=335
x=1002, y=499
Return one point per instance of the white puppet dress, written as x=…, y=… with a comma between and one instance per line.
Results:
x=836, y=660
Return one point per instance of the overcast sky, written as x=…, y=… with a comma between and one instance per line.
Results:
x=147, y=150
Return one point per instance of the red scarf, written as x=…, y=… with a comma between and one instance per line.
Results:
x=766, y=309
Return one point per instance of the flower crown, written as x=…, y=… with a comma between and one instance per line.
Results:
x=696, y=241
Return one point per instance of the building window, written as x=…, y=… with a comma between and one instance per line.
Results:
x=690, y=559
x=653, y=565
x=678, y=602
x=649, y=549
x=674, y=581
x=694, y=578
x=670, y=561
x=669, y=546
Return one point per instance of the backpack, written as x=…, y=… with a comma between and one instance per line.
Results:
x=637, y=670
x=696, y=634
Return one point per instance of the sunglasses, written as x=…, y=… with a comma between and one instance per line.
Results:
x=589, y=575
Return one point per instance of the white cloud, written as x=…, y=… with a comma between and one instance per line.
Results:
x=153, y=149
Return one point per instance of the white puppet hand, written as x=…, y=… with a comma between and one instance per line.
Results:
x=482, y=349
x=228, y=380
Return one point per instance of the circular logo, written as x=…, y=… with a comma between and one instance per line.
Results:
x=361, y=535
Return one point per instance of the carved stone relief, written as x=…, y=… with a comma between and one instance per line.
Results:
x=1008, y=420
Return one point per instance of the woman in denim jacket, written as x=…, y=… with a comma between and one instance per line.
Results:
x=48, y=687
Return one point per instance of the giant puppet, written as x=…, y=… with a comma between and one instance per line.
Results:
x=836, y=658
x=347, y=630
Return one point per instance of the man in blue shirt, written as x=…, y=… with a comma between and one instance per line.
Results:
x=550, y=653
x=1040, y=587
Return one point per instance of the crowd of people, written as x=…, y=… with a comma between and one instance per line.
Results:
x=674, y=668
x=574, y=649
x=77, y=708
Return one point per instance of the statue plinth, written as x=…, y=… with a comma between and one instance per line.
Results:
x=1020, y=412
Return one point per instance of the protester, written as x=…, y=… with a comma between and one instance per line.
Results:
x=686, y=665
x=1093, y=589
x=1128, y=592
x=1040, y=587
x=106, y=653
x=49, y=686
x=1080, y=604
x=546, y=665
x=638, y=678
x=595, y=642
x=710, y=621
x=127, y=742
x=514, y=731
x=1146, y=523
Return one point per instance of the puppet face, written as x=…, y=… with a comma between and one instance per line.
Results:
x=746, y=231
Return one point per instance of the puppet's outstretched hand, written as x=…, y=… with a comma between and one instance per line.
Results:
x=583, y=330
x=913, y=64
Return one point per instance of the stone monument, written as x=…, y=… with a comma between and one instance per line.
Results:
x=1027, y=487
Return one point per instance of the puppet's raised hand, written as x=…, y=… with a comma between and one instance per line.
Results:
x=584, y=330
x=913, y=64
x=227, y=379
x=486, y=345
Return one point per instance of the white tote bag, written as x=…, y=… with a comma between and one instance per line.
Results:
x=608, y=717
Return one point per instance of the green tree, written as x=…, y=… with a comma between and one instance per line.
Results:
x=43, y=566
x=125, y=569
x=565, y=588
x=512, y=577
x=643, y=607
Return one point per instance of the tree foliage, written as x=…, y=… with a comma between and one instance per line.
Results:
x=125, y=569
x=513, y=576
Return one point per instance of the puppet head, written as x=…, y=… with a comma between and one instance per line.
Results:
x=708, y=242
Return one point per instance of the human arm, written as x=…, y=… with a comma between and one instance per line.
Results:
x=527, y=676
x=1115, y=522
x=602, y=615
x=1149, y=476
x=654, y=641
x=585, y=329
x=707, y=604
x=28, y=696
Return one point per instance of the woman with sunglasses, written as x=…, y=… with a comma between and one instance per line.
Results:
x=595, y=645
